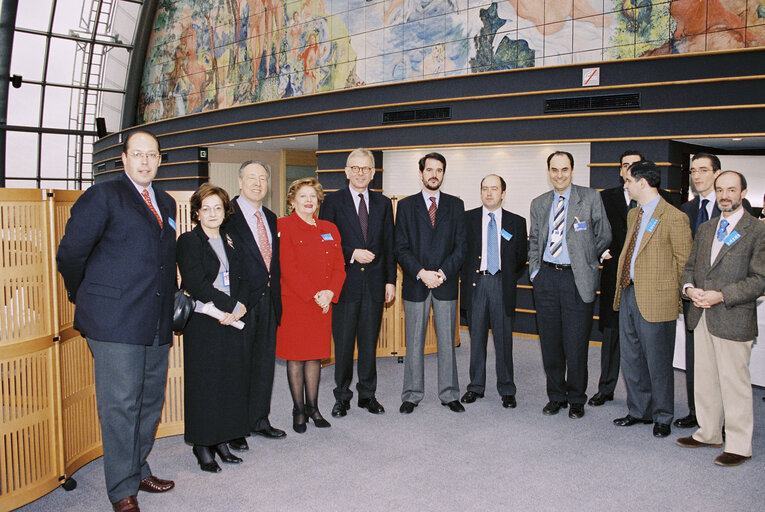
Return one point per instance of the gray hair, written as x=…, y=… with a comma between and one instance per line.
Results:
x=360, y=152
x=260, y=163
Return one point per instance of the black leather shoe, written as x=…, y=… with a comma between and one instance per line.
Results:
x=205, y=459
x=225, y=455
x=576, y=411
x=298, y=420
x=313, y=413
x=553, y=407
x=239, y=445
x=600, y=399
x=470, y=396
x=372, y=405
x=661, y=430
x=686, y=422
x=340, y=408
x=407, y=407
x=271, y=432
x=454, y=406
x=508, y=402
x=628, y=421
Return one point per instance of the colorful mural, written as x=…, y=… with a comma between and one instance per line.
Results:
x=209, y=54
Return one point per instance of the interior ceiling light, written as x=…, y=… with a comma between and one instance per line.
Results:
x=259, y=141
x=293, y=138
x=232, y=144
x=736, y=139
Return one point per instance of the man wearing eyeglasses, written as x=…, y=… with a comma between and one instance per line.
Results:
x=705, y=168
x=117, y=259
x=365, y=221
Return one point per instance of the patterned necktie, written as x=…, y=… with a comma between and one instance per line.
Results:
x=624, y=281
x=432, y=211
x=722, y=231
x=557, y=246
x=147, y=198
x=703, y=214
x=492, y=251
x=363, y=216
x=265, y=247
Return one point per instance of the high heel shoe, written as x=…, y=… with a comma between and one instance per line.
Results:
x=297, y=425
x=225, y=455
x=312, y=413
x=205, y=458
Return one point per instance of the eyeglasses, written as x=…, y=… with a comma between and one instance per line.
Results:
x=207, y=210
x=140, y=155
x=694, y=172
x=360, y=170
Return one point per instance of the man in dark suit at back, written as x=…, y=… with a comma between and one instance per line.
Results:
x=723, y=278
x=364, y=219
x=253, y=228
x=617, y=202
x=117, y=259
x=496, y=254
x=705, y=168
x=430, y=247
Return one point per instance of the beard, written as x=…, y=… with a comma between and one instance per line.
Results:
x=732, y=208
x=430, y=186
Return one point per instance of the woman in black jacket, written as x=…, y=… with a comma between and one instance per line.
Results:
x=215, y=376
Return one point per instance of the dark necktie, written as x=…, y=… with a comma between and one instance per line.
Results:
x=363, y=216
x=432, y=211
x=624, y=281
x=703, y=215
x=557, y=246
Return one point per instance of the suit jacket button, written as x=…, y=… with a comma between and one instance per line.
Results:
x=157, y=294
x=477, y=271
x=473, y=284
x=362, y=269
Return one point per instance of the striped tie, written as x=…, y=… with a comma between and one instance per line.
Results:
x=557, y=247
x=147, y=198
x=432, y=211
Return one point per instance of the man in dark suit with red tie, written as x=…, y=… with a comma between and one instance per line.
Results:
x=617, y=202
x=117, y=259
x=430, y=247
x=496, y=254
x=364, y=219
x=253, y=228
x=705, y=168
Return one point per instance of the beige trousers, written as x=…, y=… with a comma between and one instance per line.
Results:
x=723, y=390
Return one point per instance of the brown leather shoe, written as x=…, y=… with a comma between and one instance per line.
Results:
x=154, y=484
x=129, y=504
x=690, y=442
x=730, y=459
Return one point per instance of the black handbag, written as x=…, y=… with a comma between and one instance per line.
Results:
x=183, y=306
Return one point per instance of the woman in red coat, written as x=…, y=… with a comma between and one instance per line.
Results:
x=312, y=274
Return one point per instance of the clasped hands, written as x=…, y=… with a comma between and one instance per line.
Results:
x=431, y=278
x=230, y=318
x=323, y=299
x=704, y=299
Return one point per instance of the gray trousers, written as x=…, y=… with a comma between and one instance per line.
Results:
x=130, y=391
x=647, y=350
x=444, y=318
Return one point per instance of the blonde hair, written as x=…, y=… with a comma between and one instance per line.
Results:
x=295, y=186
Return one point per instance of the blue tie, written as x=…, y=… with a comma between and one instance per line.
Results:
x=703, y=213
x=492, y=251
x=722, y=232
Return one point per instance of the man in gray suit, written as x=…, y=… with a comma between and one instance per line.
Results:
x=569, y=234
x=724, y=276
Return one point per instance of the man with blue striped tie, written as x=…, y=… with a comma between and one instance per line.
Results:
x=568, y=236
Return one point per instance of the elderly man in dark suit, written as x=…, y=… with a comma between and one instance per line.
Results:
x=253, y=228
x=617, y=203
x=364, y=219
x=648, y=299
x=117, y=259
x=705, y=168
x=496, y=254
x=430, y=247
x=724, y=276
x=569, y=233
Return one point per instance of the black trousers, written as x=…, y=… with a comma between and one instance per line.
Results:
x=260, y=351
x=564, y=322
x=609, y=361
x=689, y=361
x=352, y=323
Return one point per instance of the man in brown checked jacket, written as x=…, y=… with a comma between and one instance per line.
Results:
x=648, y=299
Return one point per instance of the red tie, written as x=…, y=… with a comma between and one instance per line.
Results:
x=432, y=211
x=147, y=198
x=265, y=247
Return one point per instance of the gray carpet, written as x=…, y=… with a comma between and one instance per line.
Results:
x=488, y=458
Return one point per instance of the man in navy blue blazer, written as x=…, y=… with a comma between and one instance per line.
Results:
x=364, y=219
x=430, y=247
x=117, y=258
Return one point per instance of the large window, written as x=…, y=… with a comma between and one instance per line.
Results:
x=73, y=57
